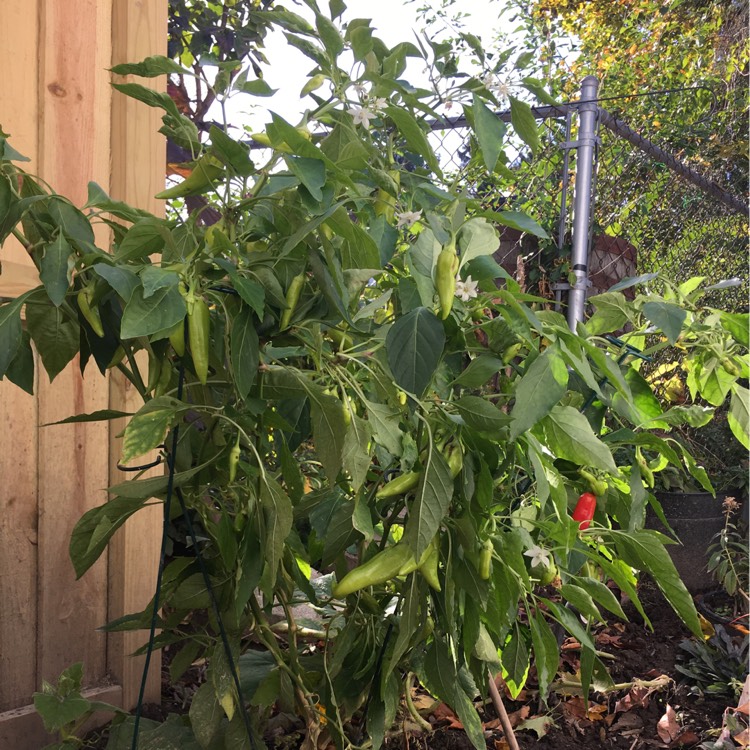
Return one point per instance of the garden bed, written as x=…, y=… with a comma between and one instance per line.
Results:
x=661, y=712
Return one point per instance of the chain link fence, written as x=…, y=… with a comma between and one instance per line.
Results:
x=657, y=207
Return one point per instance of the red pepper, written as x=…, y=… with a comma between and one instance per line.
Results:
x=584, y=510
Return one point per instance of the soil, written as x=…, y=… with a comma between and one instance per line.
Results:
x=620, y=720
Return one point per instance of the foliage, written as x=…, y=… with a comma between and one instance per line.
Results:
x=716, y=667
x=292, y=366
x=728, y=556
x=64, y=710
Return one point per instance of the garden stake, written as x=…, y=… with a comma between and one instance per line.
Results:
x=497, y=702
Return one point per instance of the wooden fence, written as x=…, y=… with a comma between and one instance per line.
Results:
x=57, y=104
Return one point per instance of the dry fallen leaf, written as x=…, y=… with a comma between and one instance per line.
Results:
x=667, y=727
x=502, y=744
x=444, y=713
x=538, y=724
x=515, y=717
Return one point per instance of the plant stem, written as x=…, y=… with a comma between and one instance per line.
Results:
x=408, y=685
x=497, y=702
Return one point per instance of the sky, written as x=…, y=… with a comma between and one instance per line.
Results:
x=394, y=21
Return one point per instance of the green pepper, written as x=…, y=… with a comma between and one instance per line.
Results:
x=730, y=367
x=234, y=459
x=177, y=338
x=384, y=566
x=292, y=298
x=646, y=474
x=598, y=486
x=199, y=329
x=399, y=485
x=454, y=457
x=445, y=278
x=90, y=314
x=485, y=560
x=429, y=568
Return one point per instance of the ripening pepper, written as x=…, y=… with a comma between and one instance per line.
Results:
x=584, y=510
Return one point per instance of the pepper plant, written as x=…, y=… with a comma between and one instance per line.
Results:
x=341, y=379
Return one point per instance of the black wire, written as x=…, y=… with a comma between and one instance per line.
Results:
x=172, y=490
x=219, y=620
x=162, y=557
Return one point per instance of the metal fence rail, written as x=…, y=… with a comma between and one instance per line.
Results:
x=644, y=209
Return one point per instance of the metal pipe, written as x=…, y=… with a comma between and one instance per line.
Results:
x=588, y=111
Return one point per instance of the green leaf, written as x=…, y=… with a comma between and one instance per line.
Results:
x=442, y=679
x=612, y=313
x=102, y=415
x=146, y=237
x=479, y=371
x=258, y=87
x=476, y=238
x=98, y=198
x=737, y=416
x=144, y=316
x=329, y=35
x=277, y=516
x=155, y=277
x=667, y=316
x=541, y=387
x=244, y=352
x=644, y=550
x=633, y=281
x=569, y=436
x=415, y=138
x=355, y=455
x=602, y=594
x=58, y=711
x=233, y=154
x=72, y=222
x=546, y=650
x=431, y=503
x=516, y=220
x=95, y=528
x=123, y=281
x=515, y=661
x=581, y=600
x=250, y=292
x=10, y=331
x=329, y=430
x=21, y=369
x=414, y=346
x=151, y=67
x=205, y=714
x=55, y=335
x=481, y=415
x=384, y=421
x=490, y=131
x=54, y=269
x=148, y=426
x=693, y=415
x=737, y=325
x=524, y=123
x=311, y=173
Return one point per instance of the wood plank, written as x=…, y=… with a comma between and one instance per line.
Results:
x=138, y=169
x=19, y=106
x=19, y=114
x=18, y=546
x=75, y=51
x=17, y=278
x=22, y=728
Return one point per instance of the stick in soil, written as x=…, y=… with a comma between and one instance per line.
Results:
x=502, y=714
